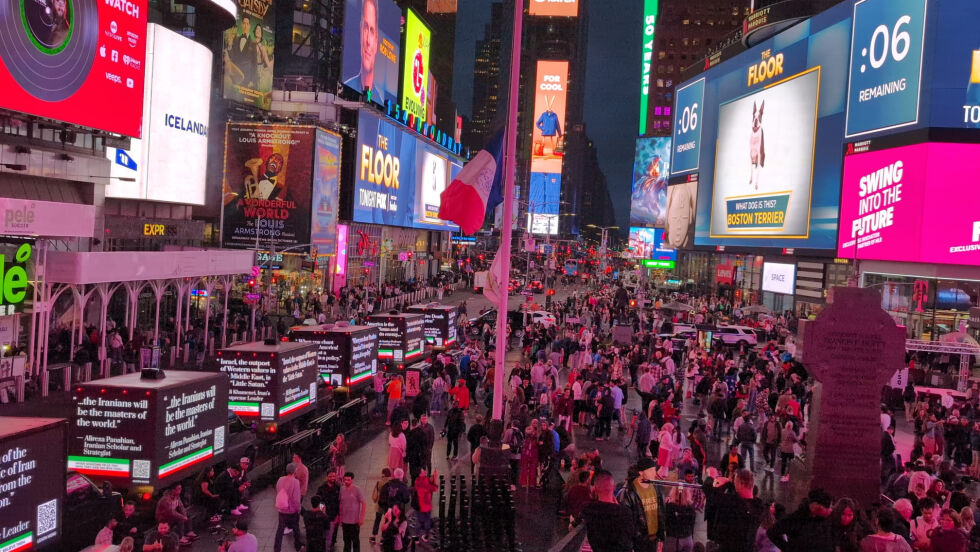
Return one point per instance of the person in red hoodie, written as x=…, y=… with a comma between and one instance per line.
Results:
x=425, y=486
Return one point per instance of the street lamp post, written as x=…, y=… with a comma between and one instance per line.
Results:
x=602, y=248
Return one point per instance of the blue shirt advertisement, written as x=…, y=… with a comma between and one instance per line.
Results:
x=399, y=177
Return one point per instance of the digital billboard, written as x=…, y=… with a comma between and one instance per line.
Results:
x=371, y=37
x=779, y=278
x=651, y=165
x=557, y=8
x=909, y=204
x=650, y=10
x=762, y=131
x=247, y=54
x=648, y=243
x=326, y=180
x=268, y=176
x=547, y=145
x=399, y=176
x=32, y=482
x=682, y=197
x=415, y=66
x=270, y=382
x=175, y=122
x=81, y=62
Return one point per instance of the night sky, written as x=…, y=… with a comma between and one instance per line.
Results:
x=612, y=91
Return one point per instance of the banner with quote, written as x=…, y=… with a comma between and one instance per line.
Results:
x=32, y=482
x=271, y=383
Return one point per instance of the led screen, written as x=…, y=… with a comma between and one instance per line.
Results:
x=648, y=243
x=909, y=204
x=326, y=178
x=547, y=146
x=681, y=204
x=399, y=176
x=371, y=37
x=267, y=185
x=247, y=54
x=651, y=165
x=415, y=66
x=779, y=278
x=558, y=8
x=175, y=122
x=32, y=482
x=78, y=61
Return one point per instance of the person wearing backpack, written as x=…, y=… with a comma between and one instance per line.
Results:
x=380, y=499
x=746, y=436
x=288, y=505
x=515, y=441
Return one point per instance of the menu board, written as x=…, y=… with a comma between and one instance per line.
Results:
x=32, y=485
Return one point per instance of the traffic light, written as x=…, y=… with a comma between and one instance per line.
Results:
x=251, y=282
x=551, y=291
x=632, y=303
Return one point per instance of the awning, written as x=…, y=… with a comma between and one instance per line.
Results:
x=131, y=266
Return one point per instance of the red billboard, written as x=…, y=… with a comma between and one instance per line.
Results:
x=81, y=62
x=557, y=8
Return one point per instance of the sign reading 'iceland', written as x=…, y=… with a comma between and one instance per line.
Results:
x=185, y=124
x=886, y=65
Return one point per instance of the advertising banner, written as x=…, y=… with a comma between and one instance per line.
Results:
x=26, y=217
x=175, y=121
x=650, y=11
x=326, y=179
x=32, y=482
x=81, y=61
x=779, y=278
x=764, y=161
x=268, y=177
x=557, y=8
x=247, y=54
x=270, y=383
x=415, y=66
x=548, y=145
x=651, y=165
x=399, y=177
x=682, y=199
x=687, y=127
x=647, y=243
x=725, y=274
x=886, y=65
x=371, y=36
x=908, y=204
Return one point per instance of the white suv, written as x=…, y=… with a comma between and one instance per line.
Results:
x=737, y=335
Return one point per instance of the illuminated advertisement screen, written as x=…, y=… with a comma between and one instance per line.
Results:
x=650, y=11
x=147, y=432
x=909, y=204
x=682, y=196
x=779, y=278
x=547, y=145
x=415, y=66
x=175, y=121
x=326, y=179
x=439, y=327
x=648, y=243
x=247, y=54
x=371, y=35
x=556, y=8
x=79, y=61
x=270, y=382
x=399, y=336
x=32, y=481
x=399, y=176
x=345, y=356
x=268, y=178
x=651, y=165
x=763, y=130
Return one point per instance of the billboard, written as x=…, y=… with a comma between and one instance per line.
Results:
x=274, y=383
x=762, y=132
x=651, y=165
x=650, y=10
x=779, y=278
x=764, y=160
x=557, y=8
x=79, y=62
x=247, y=54
x=268, y=176
x=175, y=121
x=32, y=482
x=371, y=40
x=547, y=145
x=682, y=197
x=648, y=243
x=326, y=179
x=399, y=177
x=909, y=204
x=415, y=66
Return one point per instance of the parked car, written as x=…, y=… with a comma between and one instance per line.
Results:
x=737, y=335
x=535, y=286
x=545, y=318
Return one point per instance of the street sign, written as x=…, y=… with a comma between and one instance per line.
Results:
x=658, y=263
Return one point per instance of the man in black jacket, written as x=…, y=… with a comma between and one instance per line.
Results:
x=809, y=528
x=646, y=507
x=737, y=515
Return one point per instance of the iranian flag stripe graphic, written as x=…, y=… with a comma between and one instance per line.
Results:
x=299, y=403
x=244, y=408
x=189, y=460
x=92, y=465
x=16, y=544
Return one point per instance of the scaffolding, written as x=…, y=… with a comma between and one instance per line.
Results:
x=965, y=351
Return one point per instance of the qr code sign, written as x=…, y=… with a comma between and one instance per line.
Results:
x=47, y=517
x=268, y=410
x=141, y=469
x=219, y=438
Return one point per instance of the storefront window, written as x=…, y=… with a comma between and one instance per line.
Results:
x=929, y=308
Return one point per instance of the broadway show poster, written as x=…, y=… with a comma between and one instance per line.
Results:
x=247, y=54
x=267, y=184
x=325, y=182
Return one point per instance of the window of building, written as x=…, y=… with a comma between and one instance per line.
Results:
x=656, y=124
x=660, y=83
x=658, y=110
x=734, y=10
x=670, y=83
x=687, y=22
x=686, y=41
x=667, y=111
x=670, y=68
x=696, y=42
x=661, y=54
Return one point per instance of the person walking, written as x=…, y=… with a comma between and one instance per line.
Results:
x=788, y=441
x=352, y=510
x=746, y=436
x=397, y=446
x=454, y=428
x=288, y=505
x=771, y=436
x=425, y=486
x=380, y=501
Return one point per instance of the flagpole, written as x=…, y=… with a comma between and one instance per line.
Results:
x=510, y=168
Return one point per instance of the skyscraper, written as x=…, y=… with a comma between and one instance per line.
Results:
x=486, y=79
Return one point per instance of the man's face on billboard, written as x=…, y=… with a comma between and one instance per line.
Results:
x=369, y=36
